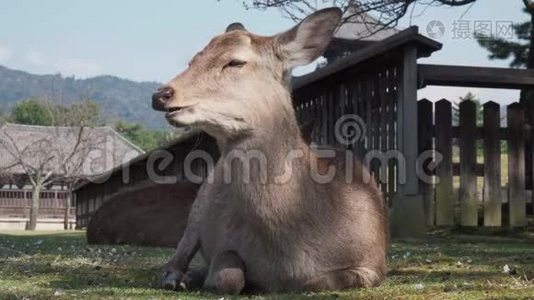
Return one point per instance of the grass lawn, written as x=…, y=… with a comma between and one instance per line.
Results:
x=61, y=265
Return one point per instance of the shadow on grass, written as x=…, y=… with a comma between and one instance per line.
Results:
x=433, y=276
x=61, y=243
x=485, y=248
x=64, y=261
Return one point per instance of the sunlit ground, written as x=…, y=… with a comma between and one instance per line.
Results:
x=62, y=266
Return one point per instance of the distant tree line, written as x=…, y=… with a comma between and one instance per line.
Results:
x=85, y=114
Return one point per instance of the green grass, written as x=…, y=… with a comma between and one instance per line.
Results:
x=62, y=266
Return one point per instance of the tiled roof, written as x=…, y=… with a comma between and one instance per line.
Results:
x=361, y=26
x=86, y=151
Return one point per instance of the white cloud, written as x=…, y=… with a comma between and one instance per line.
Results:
x=67, y=66
x=78, y=67
x=5, y=53
x=35, y=58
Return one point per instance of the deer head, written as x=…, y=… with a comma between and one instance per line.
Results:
x=240, y=78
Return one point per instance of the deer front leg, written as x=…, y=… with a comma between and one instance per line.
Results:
x=173, y=272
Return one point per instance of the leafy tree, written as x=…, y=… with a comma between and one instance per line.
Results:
x=521, y=51
x=86, y=113
x=144, y=138
x=500, y=48
x=32, y=112
x=36, y=112
x=518, y=50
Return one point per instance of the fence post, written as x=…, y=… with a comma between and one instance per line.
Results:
x=492, y=165
x=424, y=112
x=444, y=190
x=408, y=216
x=529, y=114
x=516, y=165
x=468, y=177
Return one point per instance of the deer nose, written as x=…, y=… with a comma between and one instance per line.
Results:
x=161, y=97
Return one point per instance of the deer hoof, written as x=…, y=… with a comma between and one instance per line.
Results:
x=172, y=280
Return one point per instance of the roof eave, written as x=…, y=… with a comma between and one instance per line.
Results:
x=185, y=136
x=425, y=47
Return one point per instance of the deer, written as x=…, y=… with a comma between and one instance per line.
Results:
x=256, y=233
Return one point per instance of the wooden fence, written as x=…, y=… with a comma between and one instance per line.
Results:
x=472, y=186
x=372, y=95
x=15, y=203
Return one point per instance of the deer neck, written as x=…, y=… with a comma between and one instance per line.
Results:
x=275, y=130
x=269, y=194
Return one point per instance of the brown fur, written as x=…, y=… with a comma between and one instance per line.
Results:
x=295, y=235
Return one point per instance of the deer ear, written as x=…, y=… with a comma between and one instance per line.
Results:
x=235, y=26
x=307, y=41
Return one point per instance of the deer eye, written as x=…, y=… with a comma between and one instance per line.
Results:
x=235, y=63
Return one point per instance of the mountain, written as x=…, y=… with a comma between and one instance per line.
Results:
x=118, y=98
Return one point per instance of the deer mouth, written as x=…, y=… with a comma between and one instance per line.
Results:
x=173, y=111
x=175, y=115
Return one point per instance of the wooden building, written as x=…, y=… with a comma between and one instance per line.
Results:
x=61, y=154
x=359, y=31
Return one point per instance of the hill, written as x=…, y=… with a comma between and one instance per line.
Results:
x=118, y=98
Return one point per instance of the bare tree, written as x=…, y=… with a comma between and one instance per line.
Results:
x=47, y=160
x=387, y=12
x=56, y=155
x=72, y=167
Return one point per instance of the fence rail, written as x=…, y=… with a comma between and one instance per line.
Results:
x=16, y=203
x=483, y=199
x=502, y=78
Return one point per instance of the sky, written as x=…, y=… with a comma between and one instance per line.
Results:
x=154, y=40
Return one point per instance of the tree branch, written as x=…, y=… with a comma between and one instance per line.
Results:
x=17, y=154
x=456, y=2
x=389, y=12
